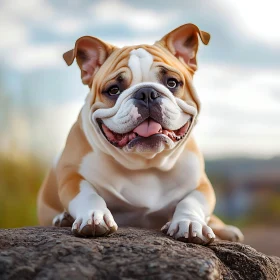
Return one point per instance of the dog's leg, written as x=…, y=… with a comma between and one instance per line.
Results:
x=93, y=218
x=88, y=209
x=48, y=203
x=189, y=222
x=225, y=232
x=77, y=196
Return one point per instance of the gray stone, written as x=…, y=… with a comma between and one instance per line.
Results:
x=130, y=253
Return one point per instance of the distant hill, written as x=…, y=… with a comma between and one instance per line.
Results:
x=244, y=167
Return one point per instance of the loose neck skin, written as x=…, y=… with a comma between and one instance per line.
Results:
x=163, y=161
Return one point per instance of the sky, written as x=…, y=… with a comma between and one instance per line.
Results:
x=238, y=79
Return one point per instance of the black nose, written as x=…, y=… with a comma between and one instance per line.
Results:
x=146, y=94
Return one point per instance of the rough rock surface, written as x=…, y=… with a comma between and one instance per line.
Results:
x=54, y=253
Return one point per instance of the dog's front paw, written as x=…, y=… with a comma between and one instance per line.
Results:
x=63, y=220
x=94, y=223
x=189, y=230
x=229, y=233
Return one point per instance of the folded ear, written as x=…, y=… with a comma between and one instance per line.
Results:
x=90, y=54
x=183, y=43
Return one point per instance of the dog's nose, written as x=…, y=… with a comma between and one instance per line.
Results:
x=146, y=94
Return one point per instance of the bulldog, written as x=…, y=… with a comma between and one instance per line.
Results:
x=130, y=158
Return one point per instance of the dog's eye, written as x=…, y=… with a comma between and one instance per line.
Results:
x=114, y=90
x=172, y=83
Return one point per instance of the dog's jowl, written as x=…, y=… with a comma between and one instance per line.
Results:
x=130, y=158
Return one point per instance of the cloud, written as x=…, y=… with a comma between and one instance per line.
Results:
x=18, y=22
x=257, y=19
x=20, y=19
x=139, y=19
x=31, y=10
x=239, y=112
x=68, y=25
x=26, y=25
x=12, y=34
x=30, y=57
x=15, y=19
x=240, y=87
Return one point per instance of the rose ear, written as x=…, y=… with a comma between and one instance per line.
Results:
x=183, y=43
x=90, y=54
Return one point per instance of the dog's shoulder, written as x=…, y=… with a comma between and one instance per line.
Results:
x=192, y=148
x=76, y=147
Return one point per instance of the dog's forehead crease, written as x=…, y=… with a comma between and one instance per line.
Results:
x=140, y=63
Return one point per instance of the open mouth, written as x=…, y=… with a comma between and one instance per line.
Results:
x=147, y=128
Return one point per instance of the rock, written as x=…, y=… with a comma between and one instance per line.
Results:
x=54, y=253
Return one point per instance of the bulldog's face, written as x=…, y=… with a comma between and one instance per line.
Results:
x=142, y=96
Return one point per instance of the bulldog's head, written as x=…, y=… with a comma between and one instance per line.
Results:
x=141, y=99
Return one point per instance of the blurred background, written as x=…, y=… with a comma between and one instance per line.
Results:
x=238, y=82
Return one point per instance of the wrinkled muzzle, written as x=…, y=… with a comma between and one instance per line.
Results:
x=146, y=118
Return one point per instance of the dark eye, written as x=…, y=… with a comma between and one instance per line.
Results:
x=114, y=90
x=172, y=83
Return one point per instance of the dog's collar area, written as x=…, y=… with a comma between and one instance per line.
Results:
x=146, y=129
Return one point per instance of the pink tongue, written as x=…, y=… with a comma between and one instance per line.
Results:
x=148, y=128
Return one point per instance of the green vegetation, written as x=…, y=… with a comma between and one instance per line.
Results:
x=20, y=179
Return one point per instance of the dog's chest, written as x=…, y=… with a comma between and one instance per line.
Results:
x=151, y=189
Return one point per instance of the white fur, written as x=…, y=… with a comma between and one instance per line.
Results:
x=193, y=205
x=134, y=113
x=87, y=199
x=58, y=217
x=143, y=192
x=190, y=218
x=88, y=205
x=140, y=63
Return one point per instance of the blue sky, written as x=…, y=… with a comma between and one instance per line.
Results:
x=238, y=77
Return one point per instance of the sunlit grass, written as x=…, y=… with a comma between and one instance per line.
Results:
x=20, y=179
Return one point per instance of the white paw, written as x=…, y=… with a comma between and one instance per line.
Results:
x=63, y=220
x=94, y=223
x=230, y=233
x=189, y=230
